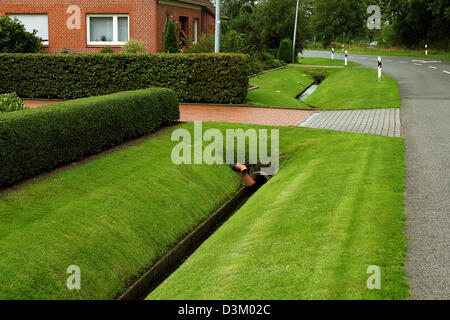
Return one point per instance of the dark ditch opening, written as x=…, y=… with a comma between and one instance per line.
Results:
x=160, y=271
x=309, y=90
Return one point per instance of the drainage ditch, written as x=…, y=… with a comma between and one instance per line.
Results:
x=176, y=257
x=309, y=90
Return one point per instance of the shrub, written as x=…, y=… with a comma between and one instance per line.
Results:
x=211, y=78
x=11, y=102
x=107, y=50
x=170, y=38
x=15, y=39
x=285, y=51
x=134, y=47
x=261, y=61
x=43, y=138
x=233, y=41
x=204, y=45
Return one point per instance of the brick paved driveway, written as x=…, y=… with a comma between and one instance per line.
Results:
x=251, y=115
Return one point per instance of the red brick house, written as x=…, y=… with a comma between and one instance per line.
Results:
x=90, y=25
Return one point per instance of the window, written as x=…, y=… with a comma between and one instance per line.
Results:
x=103, y=29
x=38, y=22
x=195, y=30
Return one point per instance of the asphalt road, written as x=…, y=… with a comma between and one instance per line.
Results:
x=425, y=114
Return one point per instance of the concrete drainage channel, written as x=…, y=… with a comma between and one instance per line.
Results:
x=175, y=258
x=309, y=90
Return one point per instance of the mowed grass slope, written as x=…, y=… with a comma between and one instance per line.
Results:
x=334, y=209
x=342, y=89
x=279, y=88
x=325, y=62
x=113, y=217
x=355, y=89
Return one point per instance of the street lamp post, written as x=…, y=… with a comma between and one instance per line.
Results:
x=295, y=33
x=217, y=38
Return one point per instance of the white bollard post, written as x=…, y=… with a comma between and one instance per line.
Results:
x=346, y=56
x=380, y=65
x=426, y=49
x=332, y=53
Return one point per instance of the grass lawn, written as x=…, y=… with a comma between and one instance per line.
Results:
x=113, y=217
x=355, y=89
x=325, y=62
x=341, y=89
x=334, y=209
x=279, y=88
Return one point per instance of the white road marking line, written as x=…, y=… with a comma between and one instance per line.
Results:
x=447, y=72
x=426, y=61
x=432, y=67
x=403, y=62
x=418, y=64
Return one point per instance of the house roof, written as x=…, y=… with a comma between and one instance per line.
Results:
x=207, y=4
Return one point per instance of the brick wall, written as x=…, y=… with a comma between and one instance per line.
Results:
x=208, y=22
x=168, y=10
x=147, y=20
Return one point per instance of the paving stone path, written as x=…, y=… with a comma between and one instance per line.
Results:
x=382, y=122
x=251, y=115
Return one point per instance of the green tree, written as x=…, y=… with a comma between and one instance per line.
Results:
x=274, y=19
x=233, y=8
x=338, y=20
x=419, y=22
x=170, y=38
x=15, y=39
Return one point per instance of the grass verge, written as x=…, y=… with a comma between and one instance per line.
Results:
x=325, y=62
x=341, y=89
x=334, y=209
x=279, y=88
x=355, y=89
x=113, y=217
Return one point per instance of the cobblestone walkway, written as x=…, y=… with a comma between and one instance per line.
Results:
x=382, y=122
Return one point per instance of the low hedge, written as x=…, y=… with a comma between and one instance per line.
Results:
x=211, y=78
x=40, y=139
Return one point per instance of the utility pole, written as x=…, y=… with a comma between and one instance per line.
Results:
x=295, y=33
x=217, y=38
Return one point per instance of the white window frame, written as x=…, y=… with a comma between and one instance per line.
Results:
x=195, y=27
x=115, y=41
x=14, y=15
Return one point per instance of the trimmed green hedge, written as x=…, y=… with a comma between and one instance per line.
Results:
x=212, y=78
x=40, y=139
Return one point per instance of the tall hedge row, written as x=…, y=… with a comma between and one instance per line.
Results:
x=213, y=78
x=40, y=139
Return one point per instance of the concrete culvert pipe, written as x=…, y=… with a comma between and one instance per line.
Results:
x=242, y=171
x=253, y=181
